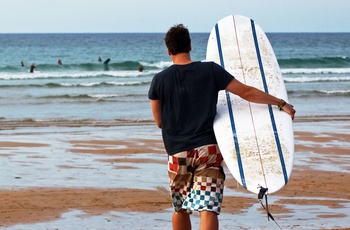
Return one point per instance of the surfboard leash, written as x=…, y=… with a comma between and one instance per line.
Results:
x=261, y=195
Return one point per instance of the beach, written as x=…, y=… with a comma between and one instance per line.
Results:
x=79, y=147
x=107, y=175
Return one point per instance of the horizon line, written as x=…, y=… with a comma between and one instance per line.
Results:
x=285, y=32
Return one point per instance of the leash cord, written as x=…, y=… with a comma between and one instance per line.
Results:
x=261, y=195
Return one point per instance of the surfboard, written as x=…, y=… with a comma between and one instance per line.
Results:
x=107, y=61
x=256, y=140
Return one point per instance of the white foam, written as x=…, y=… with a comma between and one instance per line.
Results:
x=316, y=71
x=315, y=79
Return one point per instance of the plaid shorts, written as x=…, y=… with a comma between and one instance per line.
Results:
x=197, y=179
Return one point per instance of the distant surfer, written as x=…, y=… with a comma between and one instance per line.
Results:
x=183, y=101
x=141, y=68
x=22, y=63
x=99, y=59
x=32, y=68
x=59, y=62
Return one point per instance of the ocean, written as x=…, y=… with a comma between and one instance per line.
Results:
x=315, y=68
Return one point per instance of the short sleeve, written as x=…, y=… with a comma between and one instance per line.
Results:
x=222, y=77
x=153, y=92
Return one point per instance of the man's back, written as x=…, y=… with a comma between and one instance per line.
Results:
x=188, y=95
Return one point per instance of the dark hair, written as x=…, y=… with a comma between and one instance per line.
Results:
x=178, y=40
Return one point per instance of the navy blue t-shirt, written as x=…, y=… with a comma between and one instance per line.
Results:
x=188, y=95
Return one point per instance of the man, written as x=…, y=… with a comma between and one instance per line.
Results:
x=183, y=100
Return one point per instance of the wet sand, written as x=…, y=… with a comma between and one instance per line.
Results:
x=114, y=177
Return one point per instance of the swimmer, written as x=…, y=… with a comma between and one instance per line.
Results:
x=32, y=68
x=141, y=68
x=59, y=62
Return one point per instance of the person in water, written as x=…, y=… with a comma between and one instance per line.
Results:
x=22, y=63
x=32, y=68
x=59, y=62
x=141, y=68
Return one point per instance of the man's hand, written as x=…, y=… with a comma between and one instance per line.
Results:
x=288, y=108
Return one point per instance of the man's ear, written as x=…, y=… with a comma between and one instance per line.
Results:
x=169, y=53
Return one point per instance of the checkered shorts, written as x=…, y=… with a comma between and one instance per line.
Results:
x=197, y=179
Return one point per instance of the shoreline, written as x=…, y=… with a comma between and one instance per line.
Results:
x=55, y=175
x=62, y=122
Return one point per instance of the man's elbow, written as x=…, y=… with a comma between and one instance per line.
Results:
x=158, y=122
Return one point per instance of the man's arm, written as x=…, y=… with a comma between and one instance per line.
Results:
x=257, y=96
x=155, y=105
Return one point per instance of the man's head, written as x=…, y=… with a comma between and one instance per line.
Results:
x=178, y=40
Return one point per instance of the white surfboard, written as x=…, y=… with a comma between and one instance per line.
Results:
x=256, y=140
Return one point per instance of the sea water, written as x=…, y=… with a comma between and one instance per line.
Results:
x=315, y=68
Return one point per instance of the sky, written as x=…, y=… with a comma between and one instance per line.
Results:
x=139, y=16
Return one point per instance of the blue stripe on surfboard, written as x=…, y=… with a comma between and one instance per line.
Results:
x=233, y=126
x=270, y=108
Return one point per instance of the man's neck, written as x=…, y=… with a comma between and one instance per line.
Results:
x=181, y=58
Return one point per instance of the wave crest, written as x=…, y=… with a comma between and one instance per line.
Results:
x=317, y=62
